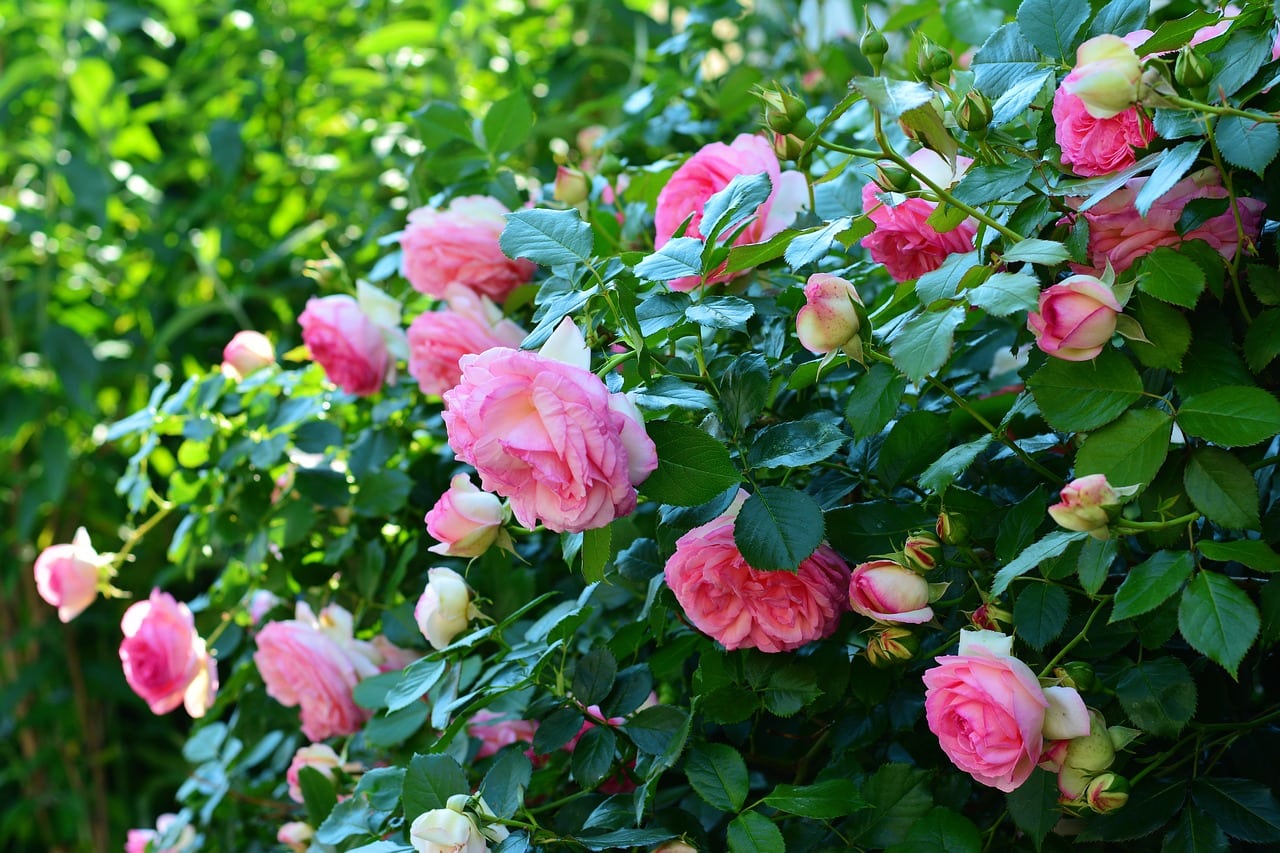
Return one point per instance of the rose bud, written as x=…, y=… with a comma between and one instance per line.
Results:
x=445, y=607
x=1106, y=76
x=829, y=319
x=990, y=617
x=921, y=551
x=247, y=353
x=465, y=520
x=319, y=757
x=1076, y=318
x=1087, y=503
x=572, y=186
x=892, y=645
x=1085, y=758
x=888, y=592
x=952, y=529
x=1107, y=793
x=67, y=575
x=296, y=835
x=1066, y=717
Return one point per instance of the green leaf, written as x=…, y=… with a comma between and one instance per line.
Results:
x=744, y=390
x=1120, y=17
x=693, y=467
x=1004, y=60
x=1051, y=545
x=557, y=730
x=654, y=729
x=945, y=281
x=1218, y=620
x=1169, y=170
x=1037, y=251
x=811, y=246
x=617, y=839
x=1034, y=805
x=419, y=677
x=678, y=258
x=431, y=781
x=899, y=796
x=593, y=676
x=1262, y=340
x=1077, y=396
x=1015, y=102
x=383, y=786
x=1165, y=327
x=1171, y=277
x=1195, y=832
x=505, y=783
x=734, y=204
x=985, y=184
x=1152, y=583
x=1221, y=487
x=941, y=831
x=1053, y=25
x=661, y=311
x=396, y=726
x=942, y=473
x=892, y=98
x=923, y=344
x=874, y=400
x=795, y=443
x=1235, y=64
x=1253, y=553
x=1231, y=416
x=1094, y=563
x=318, y=794
x=1245, y=809
x=1006, y=293
x=669, y=392
x=752, y=832
x=826, y=800
x=593, y=756
x=1040, y=613
x=393, y=37
x=778, y=528
x=596, y=550
x=718, y=775
x=1129, y=451
x=721, y=312
x=915, y=440
x=507, y=124
x=1159, y=696
x=547, y=237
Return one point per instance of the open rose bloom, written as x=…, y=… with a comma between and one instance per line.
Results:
x=67, y=575
x=346, y=343
x=458, y=245
x=470, y=323
x=164, y=659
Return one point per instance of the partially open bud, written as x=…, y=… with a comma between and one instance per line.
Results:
x=785, y=112
x=1191, y=69
x=974, y=113
x=1088, y=504
x=829, y=319
x=1086, y=757
x=1107, y=792
x=572, y=186
x=892, y=645
x=952, y=528
x=890, y=593
x=1106, y=76
x=921, y=551
x=787, y=146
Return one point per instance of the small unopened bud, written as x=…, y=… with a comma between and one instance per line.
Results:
x=952, y=528
x=1191, y=69
x=1077, y=674
x=785, y=112
x=974, y=113
x=921, y=551
x=874, y=46
x=1107, y=793
x=990, y=617
x=891, y=646
x=787, y=145
x=609, y=166
x=572, y=187
x=892, y=178
x=939, y=59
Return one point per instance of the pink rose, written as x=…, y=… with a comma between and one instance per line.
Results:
x=67, y=575
x=829, y=319
x=548, y=435
x=1085, y=504
x=903, y=241
x=260, y=603
x=1106, y=76
x=296, y=835
x=888, y=592
x=1119, y=235
x=494, y=731
x=317, y=756
x=164, y=659
x=459, y=245
x=742, y=607
x=246, y=353
x=437, y=339
x=465, y=521
x=306, y=662
x=1077, y=318
x=988, y=711
x=346, y=343
x=709, y=171
x=1097, y=146
x=444, y=608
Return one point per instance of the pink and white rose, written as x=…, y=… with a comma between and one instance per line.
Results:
x=346, y=343
x=458, y=245
x=470, y=323
x=709, y=171
x=548, y=435
x=742, y=607
x=829, y=319
x=1087, y=503
x=465, y=520
x=1076, y=318
x=1097, y=146
x=67, y=575
x=888, y=592
x=247, y=352
x=165, y=661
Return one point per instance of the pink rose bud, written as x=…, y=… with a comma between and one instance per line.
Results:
x=346, y=343
x=1055, y=753
x=459, y=245
x=445, y=607
x=1066, y=717
x=952, y=528
x=494, y=731
x=247, y=353
x=465, y=521
x=1107, y=793
x=296, y=835
x=829, y=319
x=147, y=840
x=164, y=659
x=892, y=645
x=1076, y=319
x=317, y=756
x=471, y=323
x=989, y=617
x=572, y=186
x=921, y=551
x=67, y=575
x=1086, y=504
x=888, y=592
x=1106, y=76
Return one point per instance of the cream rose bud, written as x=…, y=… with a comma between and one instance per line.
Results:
x=445, y=607
x=829, y=319
x=1086, y=503
x=465, y=520
x=319, y=757
x=296, y=835
x=247, y=353
x=572, y=187
x=1076, y=318
x=1106, y=76
x=888, y=592
x=67, y=575
x=446, y=831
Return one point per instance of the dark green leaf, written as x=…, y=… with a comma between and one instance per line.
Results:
x=794, y=444
x=826, y=800
x=1221, y=487
x=1084, y=395
x=1050, y=546
x=945, y=281
x=596, y=550
x=1053, y=25
x=942, y=473
x=593, y=756
x=892, y=98
x=692, y=467
x=1129, y=451
x=318, y=794
x=721, y=312
x=1239, y=59
x=1159, y=695
x=557, y=730
x=431, y=781
x=1006, y=293
x=419, y=677
x=504, y=785
x=1004, y=60
x=1120, y=17
x=1040, y=613
x=547, y=237
x=941, y=831
x=593, y=677
x=718, y=775
x=1231, y=416
x=1152, y=583
x=1217, y=618
x=1034, y=805
x=669, y=392
x=744, y=390
x=1262, y=341
x=899, y=797
x=732, y=205
x=1094, y=563
x=1253, y=553
x=1167, y=329
x=912, y=443
x=923, y=344
x=984, y=184
x=1244, y=808
x=507, y=124
x=396, y=726
x=752, y=832
x=1015, y=102
x=778, y=528
x=1171, y=277
x=653, y=729
x=874, y=400
x=1195, y=832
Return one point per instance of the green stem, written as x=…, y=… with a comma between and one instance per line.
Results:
x=1075, y=641
x=1196, y=106
x=1263, y=463
x=614, y=360
x=139, y=532
x=1124, y=525
x=1233, y=265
